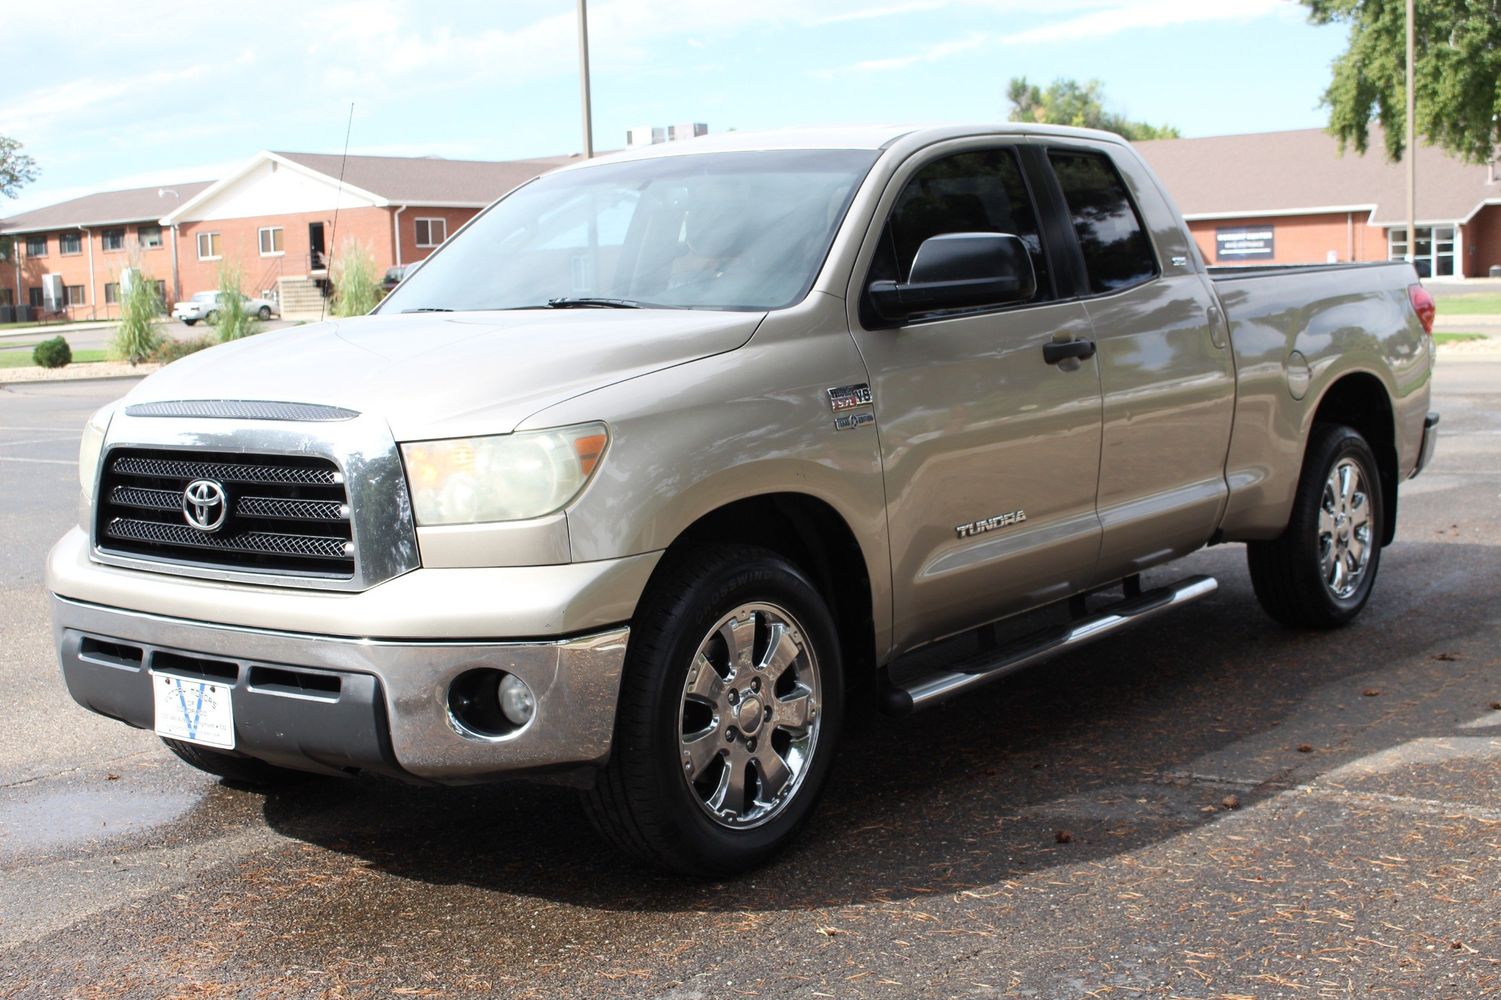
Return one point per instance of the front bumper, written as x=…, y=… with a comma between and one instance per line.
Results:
x=326, y=703
x=339, y=704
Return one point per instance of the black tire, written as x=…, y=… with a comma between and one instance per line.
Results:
x=189, y=322
x=210, y=318
x=264, y=313
x=233, y=768
x=1286, y=572
x=642, y=801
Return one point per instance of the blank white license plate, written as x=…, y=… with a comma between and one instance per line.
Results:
x=193, y=710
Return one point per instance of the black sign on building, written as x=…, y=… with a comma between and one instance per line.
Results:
x=1245, y=243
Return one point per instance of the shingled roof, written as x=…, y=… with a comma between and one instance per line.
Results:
x=104, y=208
x=426, y=179
x=1282, y=173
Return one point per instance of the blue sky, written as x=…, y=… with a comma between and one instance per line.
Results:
x=107, y=95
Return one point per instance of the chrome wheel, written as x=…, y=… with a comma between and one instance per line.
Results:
x=1344, y=530
x=748, y=720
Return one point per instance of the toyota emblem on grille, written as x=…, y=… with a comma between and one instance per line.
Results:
x=205, y=505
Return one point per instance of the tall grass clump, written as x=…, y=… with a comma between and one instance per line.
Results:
x=231, y=319
x=139, y=333
x=356, y=283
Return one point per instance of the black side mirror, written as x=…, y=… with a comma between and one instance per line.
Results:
x=959, y=271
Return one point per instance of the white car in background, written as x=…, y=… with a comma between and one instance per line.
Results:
x=205, y=306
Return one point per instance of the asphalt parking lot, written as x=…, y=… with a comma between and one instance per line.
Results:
x=1211, y=807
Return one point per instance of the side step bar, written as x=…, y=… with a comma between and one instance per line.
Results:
x=1024, y=652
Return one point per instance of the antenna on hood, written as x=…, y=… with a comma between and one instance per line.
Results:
x=333, y=233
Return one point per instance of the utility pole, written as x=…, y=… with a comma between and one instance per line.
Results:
x=1412, y=131
x=176, y=284
x=584, y=78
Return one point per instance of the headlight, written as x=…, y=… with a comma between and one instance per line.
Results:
x=509, y=477
x=89, y=449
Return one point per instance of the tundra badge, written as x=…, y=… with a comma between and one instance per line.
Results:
x=990, y=523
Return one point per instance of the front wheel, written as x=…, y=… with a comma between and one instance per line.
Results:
x=729, y=714
x=1319, y=573
x=189, y=322
x=211, y=318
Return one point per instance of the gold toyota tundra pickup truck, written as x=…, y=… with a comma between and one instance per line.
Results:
x=666, y=455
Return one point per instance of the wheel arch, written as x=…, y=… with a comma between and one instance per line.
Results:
x=815, y=537
x=1360, y=400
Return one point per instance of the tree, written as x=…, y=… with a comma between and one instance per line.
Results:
x=1456, y=71
x=1068, y=102
x=16, y=168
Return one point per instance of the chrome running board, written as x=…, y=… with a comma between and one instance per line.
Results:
x=997, y=663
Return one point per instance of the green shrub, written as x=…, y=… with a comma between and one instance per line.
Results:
x=356, y=283
x=52, y=353
x=169, y=350
x=231, y=321
x=139, y=332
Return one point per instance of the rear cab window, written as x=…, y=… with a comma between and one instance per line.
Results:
x=1117, y=252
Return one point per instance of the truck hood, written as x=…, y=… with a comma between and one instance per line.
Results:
x=436, y=375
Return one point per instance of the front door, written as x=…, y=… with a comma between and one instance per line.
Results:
x=317, y=252
x=991, y=454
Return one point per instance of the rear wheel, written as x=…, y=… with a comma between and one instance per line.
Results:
x=264, y=313
x=233, y=768
x=1319, y=573
x=729, y=715
x=210, y=318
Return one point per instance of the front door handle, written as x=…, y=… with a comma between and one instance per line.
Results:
x=1062, y=350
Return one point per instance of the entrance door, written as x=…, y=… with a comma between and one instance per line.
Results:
x=991, y=454
x=317, y=252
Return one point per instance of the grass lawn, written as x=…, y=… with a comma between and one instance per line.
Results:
x=1470, y=305
x=1457, y=338
x=22, y=359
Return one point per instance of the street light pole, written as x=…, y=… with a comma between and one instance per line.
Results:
x=584, y=78
x=1412, y=152
x=176, y=284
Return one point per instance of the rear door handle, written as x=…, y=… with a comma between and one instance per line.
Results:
x=1061, y=350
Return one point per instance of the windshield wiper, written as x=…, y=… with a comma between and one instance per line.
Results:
x=428, y=309
x=593, y=303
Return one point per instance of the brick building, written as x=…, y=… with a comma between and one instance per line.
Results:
x=282, y=218
x=1291, y=198
x=68, y=257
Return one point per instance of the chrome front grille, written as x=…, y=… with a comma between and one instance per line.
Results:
x=287, y=514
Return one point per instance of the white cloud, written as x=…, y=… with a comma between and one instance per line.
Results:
x=1132, y=14
x=933, y=53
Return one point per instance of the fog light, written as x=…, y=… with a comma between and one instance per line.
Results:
x=516, y=700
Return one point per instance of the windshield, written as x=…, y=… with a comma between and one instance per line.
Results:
x=205, y=296
x=744, y=230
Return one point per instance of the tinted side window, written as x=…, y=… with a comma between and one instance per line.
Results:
x=1117, y=252
x=981, y=192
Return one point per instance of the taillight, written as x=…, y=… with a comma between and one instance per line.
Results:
x=1423, y=305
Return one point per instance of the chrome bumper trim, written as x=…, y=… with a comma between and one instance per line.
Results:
x=576, y=682
x=1430, y=440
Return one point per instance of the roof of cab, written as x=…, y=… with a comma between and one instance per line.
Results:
x=871, y=137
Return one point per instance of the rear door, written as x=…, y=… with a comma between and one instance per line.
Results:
x=1165, y=363
x=990, y=453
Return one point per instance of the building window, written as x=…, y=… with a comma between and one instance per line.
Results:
x=36, y=246
x=431, y=232
x=160, y=287
x=1433, y=252
x=208, y=246
x=270, y=237
x=73, y=295
x=68, y=243
x=111, y=293
x=114, y=239
x=150, y=236
x=7, y=297
x=34, y=297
